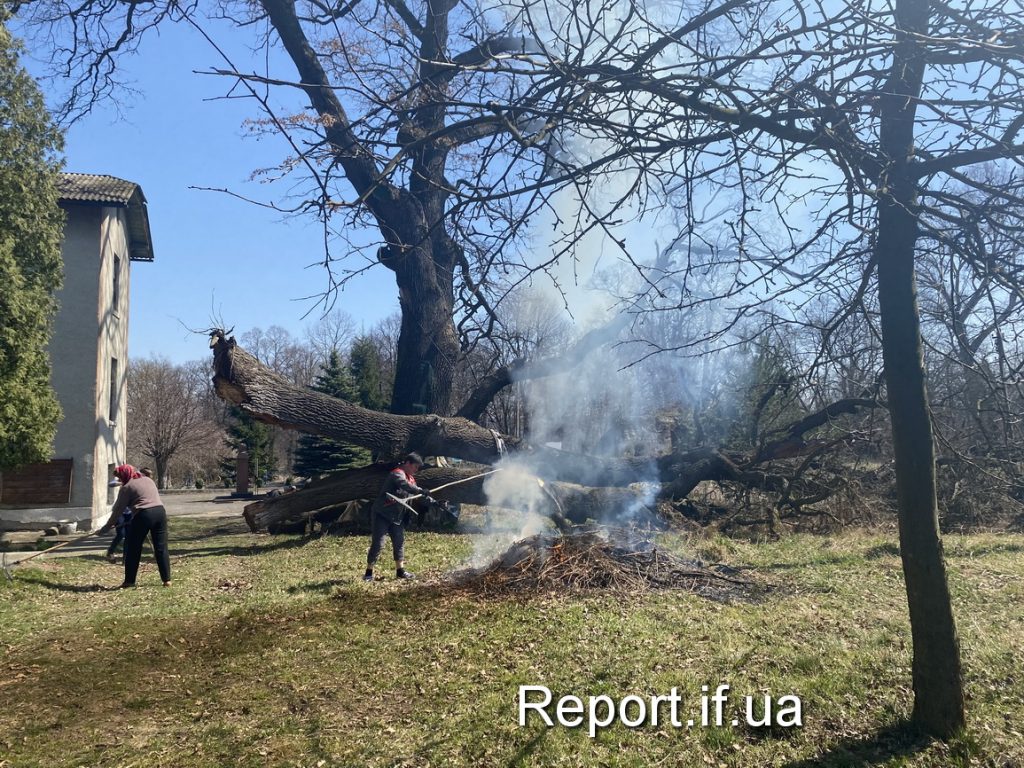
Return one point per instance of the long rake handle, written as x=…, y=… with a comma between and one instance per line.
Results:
x=57, y=546
x=454, y=482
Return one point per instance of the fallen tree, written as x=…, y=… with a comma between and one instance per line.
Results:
x=563, y=502
x=578, y=486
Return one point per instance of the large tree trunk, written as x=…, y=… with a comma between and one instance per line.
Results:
x=161, y=471
x=938, y=685
x=428, y=344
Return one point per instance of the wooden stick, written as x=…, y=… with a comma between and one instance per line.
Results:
x=405, y=502
x=402, y=502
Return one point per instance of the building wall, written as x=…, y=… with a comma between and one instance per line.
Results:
x=73, y=358
x=110, y=441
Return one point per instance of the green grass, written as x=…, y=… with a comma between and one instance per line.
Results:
x=271, y=651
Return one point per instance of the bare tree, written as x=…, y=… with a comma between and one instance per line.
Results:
x=406, y=108
x=333, y=331
x=168, y=413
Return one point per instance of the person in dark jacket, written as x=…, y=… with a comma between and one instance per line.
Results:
x=121, y=529
x=387, y=514
x=139, y=493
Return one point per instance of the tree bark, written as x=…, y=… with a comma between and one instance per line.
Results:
x=937, y=677
x=428, y=344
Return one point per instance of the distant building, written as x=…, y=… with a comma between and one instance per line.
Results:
x=107, y=228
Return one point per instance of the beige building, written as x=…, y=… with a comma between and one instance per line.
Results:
x=107, y=228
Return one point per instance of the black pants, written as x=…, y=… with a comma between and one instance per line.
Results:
x=154, y=522
x=118, y=538
x=383, y=527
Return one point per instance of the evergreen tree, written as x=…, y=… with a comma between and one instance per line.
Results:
x=257, y=437
x=318, y=455
x=31, y=226
x=364, y=364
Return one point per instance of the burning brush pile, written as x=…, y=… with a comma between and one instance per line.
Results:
x=613, y=560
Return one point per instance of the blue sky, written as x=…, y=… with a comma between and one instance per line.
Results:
x=214, y=254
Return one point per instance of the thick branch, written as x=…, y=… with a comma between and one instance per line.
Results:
x=793, y=442
x=360, y=167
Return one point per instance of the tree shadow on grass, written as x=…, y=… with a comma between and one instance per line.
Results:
x=901, y=739
x=988, y=549
x=320, y=586
x=36, y=579
x=236, y=550
x=883, y=550
x=528, y=749
x=844, y=559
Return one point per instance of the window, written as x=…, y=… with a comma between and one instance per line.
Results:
x=117, y=284
x=113, y=389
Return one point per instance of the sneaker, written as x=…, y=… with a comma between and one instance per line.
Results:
x=368, y=576
x=167, y=583
x=403, y=574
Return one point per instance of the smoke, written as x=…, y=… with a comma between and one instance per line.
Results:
x=596, y=257
x=515, y=488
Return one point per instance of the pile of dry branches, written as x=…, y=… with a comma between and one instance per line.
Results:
x=612, y=560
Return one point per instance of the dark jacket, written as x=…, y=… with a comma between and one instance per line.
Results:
x=399, y=484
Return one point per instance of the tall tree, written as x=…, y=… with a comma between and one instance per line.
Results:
x=365, y=367
x=318, y=455
x=409, y=106
x=31, y=224
x=821, y=147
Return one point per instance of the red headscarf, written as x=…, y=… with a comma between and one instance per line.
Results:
x=126, y=472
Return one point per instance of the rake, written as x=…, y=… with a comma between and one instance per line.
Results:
x=7, y=566
x=405, y=502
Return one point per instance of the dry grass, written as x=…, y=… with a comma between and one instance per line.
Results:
x=270, y=651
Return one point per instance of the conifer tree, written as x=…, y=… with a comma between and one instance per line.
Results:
x=364, y=364
x=318, y=455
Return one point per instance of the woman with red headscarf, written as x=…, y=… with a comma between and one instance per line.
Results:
x=139, y=493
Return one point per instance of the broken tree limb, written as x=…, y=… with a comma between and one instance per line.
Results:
x=792, y=441
x=575, y=502
x=241, y=380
